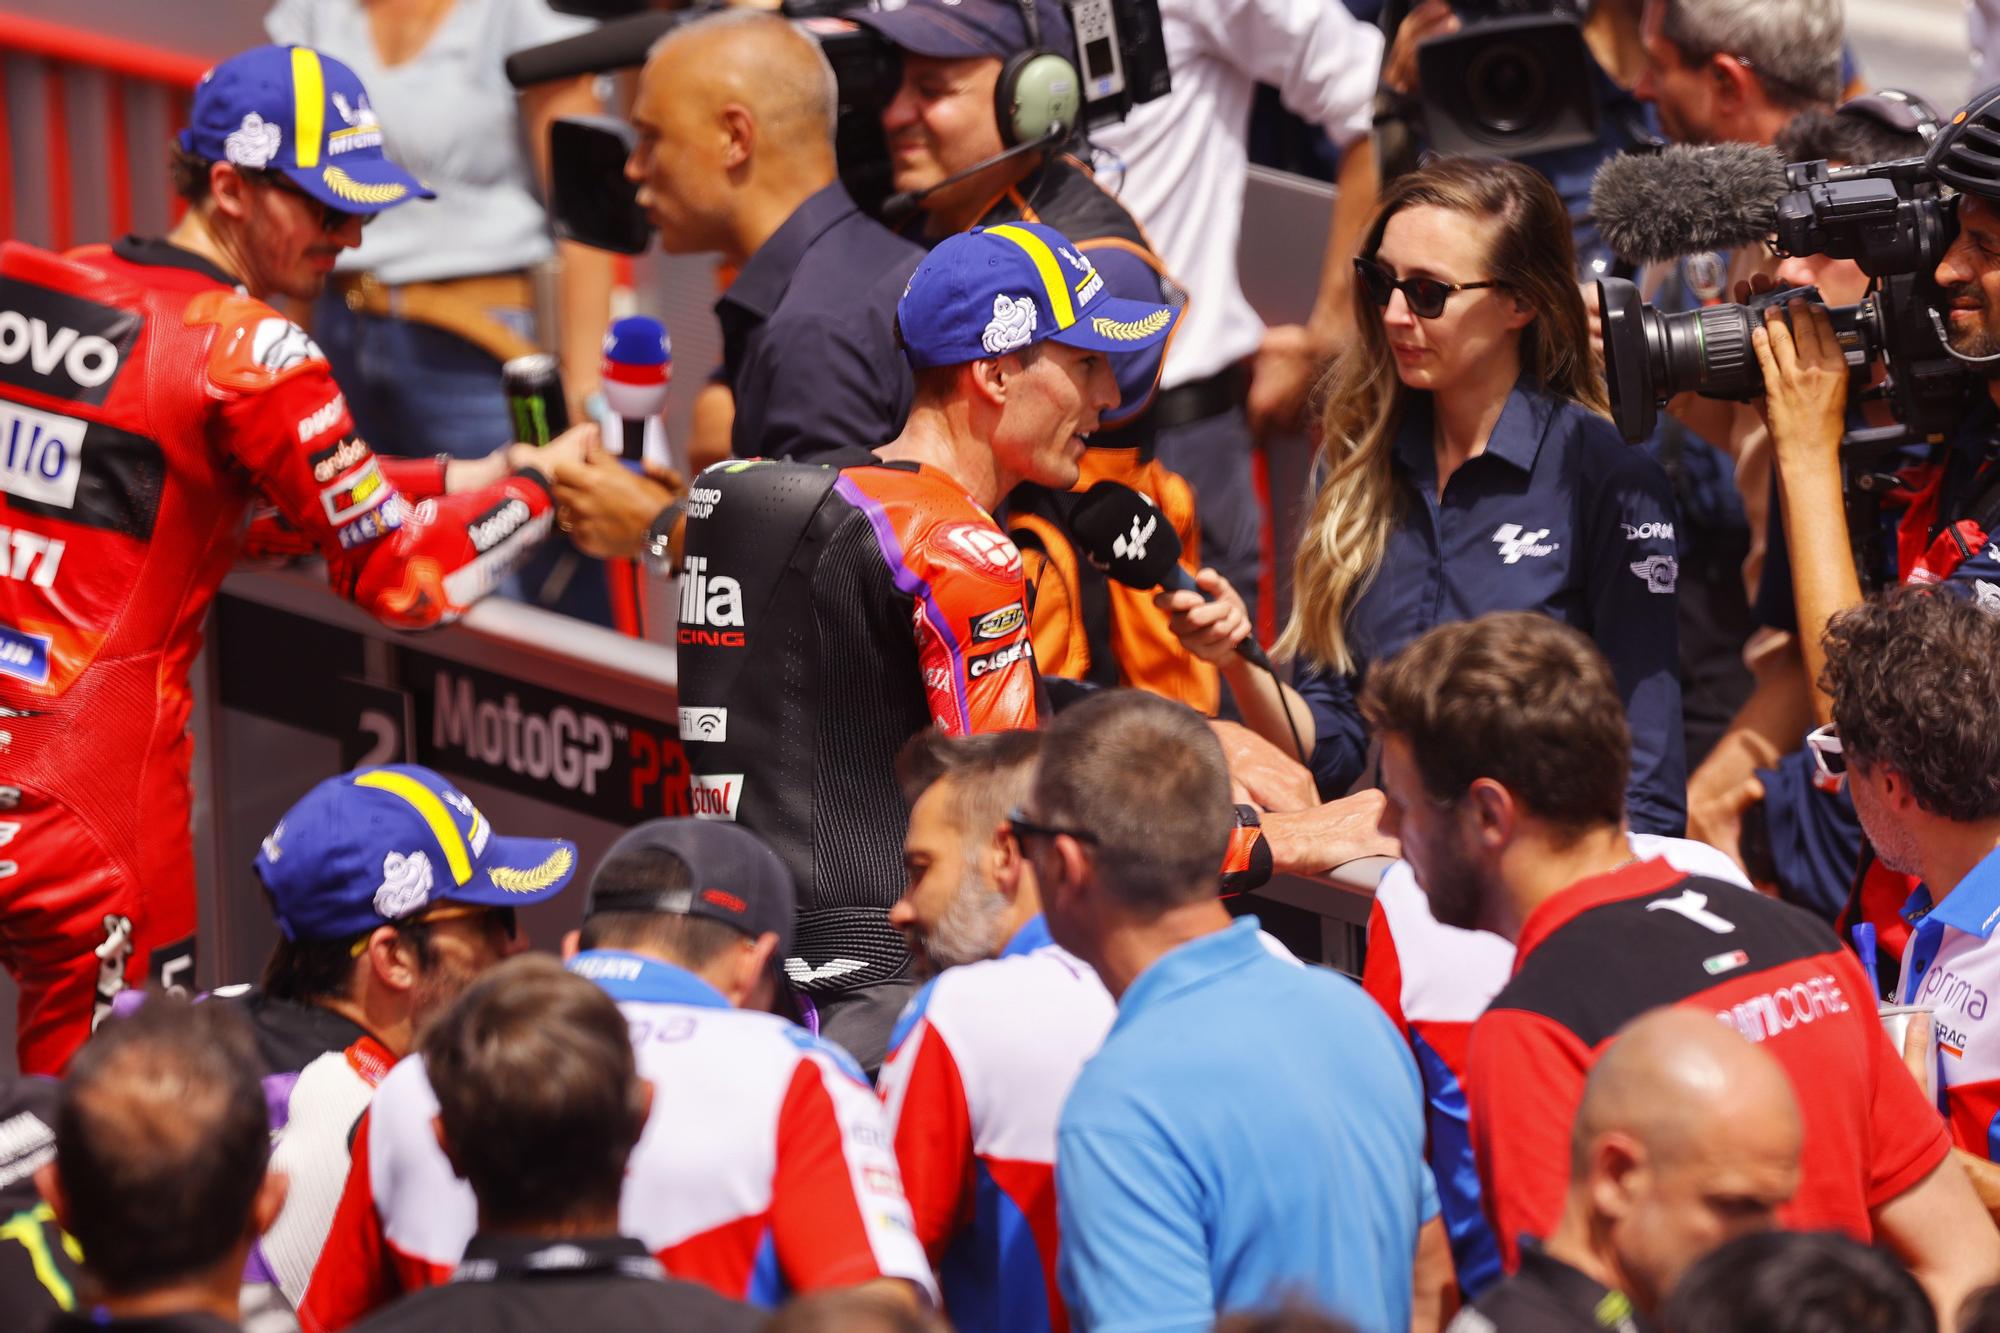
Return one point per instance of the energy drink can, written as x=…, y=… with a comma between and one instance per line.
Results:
x=535, y=402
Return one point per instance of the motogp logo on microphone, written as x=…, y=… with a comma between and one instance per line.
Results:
x=1133, y=546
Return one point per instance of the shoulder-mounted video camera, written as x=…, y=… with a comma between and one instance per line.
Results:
x=1513, y=81
x=1893, y=219
x=1889, y=220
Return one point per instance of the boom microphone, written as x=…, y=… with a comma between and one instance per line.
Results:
x=1126, y=536
x=1656, y=206
x=897, y=208
x=619, y=44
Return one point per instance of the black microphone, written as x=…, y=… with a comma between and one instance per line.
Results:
x=897, y=208
x=1656, y=206
x=1127, y=537
x=619, y=44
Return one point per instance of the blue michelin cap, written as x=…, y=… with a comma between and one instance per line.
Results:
x=994, y=290
x=291, y=109
x=380, y=845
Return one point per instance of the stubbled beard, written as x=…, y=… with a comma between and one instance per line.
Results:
x=969, y=930
x=1977, y=340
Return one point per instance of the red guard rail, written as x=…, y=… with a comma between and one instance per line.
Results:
x=74, y=104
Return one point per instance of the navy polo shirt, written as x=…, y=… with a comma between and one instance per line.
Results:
x=1557, y=515
x=809, y=334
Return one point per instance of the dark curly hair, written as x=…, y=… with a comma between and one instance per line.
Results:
x=1915, y=676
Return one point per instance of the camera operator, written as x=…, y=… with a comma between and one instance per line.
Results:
x=1811, y=835
x=736, y=119
x=1720, y=72
x=967, y=152
x=1944, y=537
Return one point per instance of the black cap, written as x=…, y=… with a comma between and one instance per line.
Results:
x=733, y=878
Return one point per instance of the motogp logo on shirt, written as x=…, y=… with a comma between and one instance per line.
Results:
x=1514, y=543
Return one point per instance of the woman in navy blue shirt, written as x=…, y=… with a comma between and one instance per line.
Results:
x=1470, y=467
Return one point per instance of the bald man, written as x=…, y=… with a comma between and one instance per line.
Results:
x=1687, y=1136
x=735, y=114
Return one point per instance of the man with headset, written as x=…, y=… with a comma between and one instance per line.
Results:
x=735, y=156
x=990, y=95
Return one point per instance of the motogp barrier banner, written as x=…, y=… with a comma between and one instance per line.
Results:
x=461, y=720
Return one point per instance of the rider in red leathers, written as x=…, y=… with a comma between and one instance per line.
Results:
x=148, y=397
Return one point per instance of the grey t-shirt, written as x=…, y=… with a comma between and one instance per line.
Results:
x=449, y=115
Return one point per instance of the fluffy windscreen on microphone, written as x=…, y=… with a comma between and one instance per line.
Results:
x=1654, y=206
x=638, y=363
x=1125, y=535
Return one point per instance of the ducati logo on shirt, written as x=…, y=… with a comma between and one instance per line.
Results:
x=1515, y=543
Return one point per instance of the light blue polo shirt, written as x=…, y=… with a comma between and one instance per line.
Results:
x=1252, y=1130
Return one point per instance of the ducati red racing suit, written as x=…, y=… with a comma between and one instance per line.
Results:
x=145, y=402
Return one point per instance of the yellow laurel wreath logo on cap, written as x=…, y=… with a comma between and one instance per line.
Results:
x=1132, y=330
x=355, y=192
x=509, y=880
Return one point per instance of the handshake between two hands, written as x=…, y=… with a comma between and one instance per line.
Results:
x=604, y=505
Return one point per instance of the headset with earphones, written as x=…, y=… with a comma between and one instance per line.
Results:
x=1036, y=104
x=1040, y=93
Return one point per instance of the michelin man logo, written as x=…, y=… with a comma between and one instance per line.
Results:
x=253, y=143
x=1012, y=326
x=406, y=884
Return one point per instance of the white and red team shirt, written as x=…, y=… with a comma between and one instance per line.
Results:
x=978, y=1069
x=765, y=1169
x=1433, y=981
x=1952, y=967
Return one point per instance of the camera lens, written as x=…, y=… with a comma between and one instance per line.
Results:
x=1649, y=357
x=1706, y=350
x=1507, y=89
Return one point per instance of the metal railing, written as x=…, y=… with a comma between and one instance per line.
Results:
x=76, y=104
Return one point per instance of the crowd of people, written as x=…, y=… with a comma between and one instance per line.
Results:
x=945, y=1005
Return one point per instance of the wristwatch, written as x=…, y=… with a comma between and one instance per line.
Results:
x=656, y=552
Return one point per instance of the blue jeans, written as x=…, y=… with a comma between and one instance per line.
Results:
x=416, y=391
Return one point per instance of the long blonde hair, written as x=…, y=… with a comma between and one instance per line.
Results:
x=1363, y=399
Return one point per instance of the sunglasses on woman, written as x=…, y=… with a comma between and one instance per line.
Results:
x=1425, y=295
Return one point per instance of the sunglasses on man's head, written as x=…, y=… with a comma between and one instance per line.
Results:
x=1829, y=757
x=1425, y=295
